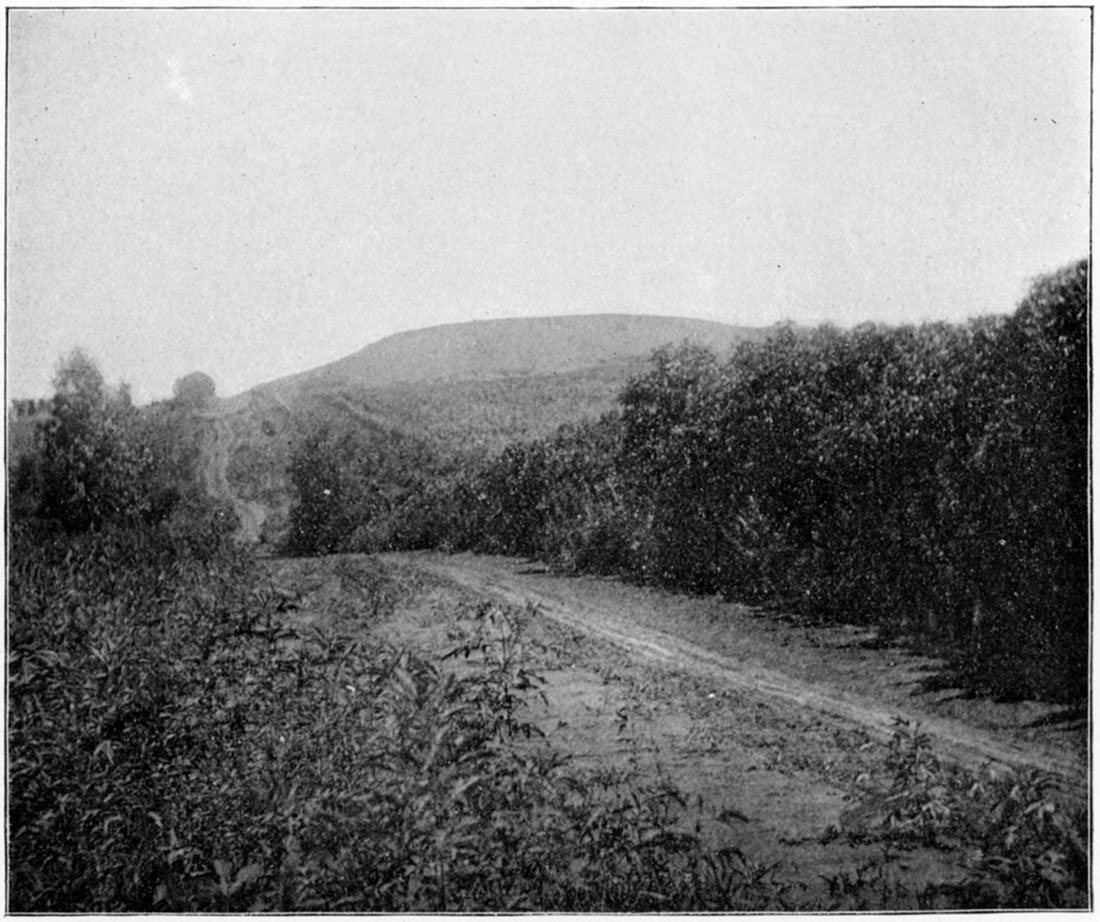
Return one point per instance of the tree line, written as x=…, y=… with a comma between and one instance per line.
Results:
x=99, y=460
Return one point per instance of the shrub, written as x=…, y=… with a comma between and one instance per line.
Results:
x=92, y=471
x=352, y=488
x=1026, y=849
x=100, y=645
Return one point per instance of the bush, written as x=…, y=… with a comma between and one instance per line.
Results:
x=105, y=629
x=92, y=470
x=1026, y=850
x=352, y=488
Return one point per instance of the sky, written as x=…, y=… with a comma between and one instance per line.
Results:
x=252, y=193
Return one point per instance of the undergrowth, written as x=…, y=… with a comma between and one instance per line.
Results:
x=1025, y=848
x=176, y=746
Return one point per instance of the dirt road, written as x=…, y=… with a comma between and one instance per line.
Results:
x=829, y=672
x=771, y=731
x=216, y=451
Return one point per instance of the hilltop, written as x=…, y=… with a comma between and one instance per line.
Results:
x=515, y=347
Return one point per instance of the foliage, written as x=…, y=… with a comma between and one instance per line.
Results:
x=1027, y=850
x=195, y=391
x=350, y=486
x=173, y=747
x=172, y=434
x=105, y=629
x=92, y=470
x=548, y=498
x=98, y=460
x=931, y=481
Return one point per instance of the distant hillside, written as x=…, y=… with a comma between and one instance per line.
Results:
x=472, y=387
x=486, y=349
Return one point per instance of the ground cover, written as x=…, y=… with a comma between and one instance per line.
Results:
x=808, y=798
x=191, y=729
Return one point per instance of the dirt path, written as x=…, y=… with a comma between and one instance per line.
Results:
x=868, y=695
x=771, y=733
x=216, y=451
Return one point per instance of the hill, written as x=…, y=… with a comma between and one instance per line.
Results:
x=470, y=387
x=516, y=347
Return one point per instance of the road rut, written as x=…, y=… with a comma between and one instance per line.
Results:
x=965, y=745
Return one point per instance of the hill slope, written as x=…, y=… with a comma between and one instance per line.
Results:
x=471, y=387
x=486, y=349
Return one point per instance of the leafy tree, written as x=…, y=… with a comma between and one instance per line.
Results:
x=315, y=473
x=352, y=488
x=172, y=434
x=930, y=480
x=195, y=390
x=1026, y=483
x=92, y=470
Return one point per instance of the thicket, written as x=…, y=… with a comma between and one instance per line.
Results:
x=931, y=480
x=352, y=487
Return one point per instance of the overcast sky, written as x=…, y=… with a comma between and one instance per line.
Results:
x=253, y=193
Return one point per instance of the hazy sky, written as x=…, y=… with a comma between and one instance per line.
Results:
x=252, y=193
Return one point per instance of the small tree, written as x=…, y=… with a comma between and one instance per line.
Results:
x=195, y=390
x=316, y=473
x=92, y=472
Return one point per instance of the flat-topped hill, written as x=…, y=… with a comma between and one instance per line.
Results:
x=519, y=347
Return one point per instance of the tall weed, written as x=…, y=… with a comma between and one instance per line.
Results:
x=1027, y=849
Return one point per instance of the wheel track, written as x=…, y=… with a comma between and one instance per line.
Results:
x=964, y=745
x=216, y=451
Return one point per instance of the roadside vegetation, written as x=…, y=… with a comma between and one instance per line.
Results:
x=930, y=481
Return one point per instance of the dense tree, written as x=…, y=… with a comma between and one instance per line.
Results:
x=93, y=471
x=931, y=480
x=352, y=487
x=195, y=390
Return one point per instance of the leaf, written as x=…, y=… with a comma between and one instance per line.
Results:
x=222, y=869
x=247, y=875
x=106, y=747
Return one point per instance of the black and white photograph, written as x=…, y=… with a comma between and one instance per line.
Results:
x=548, y=460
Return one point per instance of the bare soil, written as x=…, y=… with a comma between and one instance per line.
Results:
x=216, y=452
x=771, y=727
